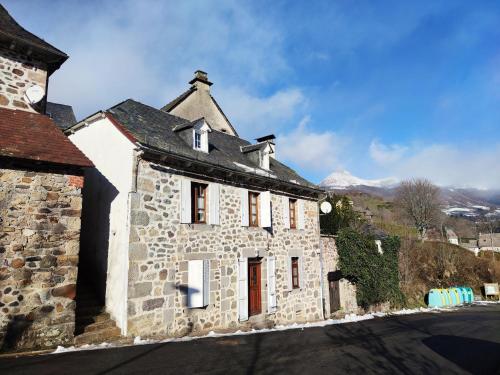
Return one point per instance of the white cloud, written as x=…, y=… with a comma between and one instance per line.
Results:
x=311, y=151
x=148, y=50
x=386, y=154
x=253, y=115
x=444, y=164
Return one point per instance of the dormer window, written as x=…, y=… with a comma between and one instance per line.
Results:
x=197, y=140
x=200, y=135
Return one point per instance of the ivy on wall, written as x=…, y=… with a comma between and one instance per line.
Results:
x=375, y=275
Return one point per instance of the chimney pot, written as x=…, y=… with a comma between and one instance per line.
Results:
x=200, y=77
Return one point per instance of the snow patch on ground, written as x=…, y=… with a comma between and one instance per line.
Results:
x=350, y=318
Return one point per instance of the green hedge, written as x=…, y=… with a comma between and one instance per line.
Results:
x=376, y=275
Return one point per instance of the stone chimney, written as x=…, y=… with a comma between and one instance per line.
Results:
x=200, y=81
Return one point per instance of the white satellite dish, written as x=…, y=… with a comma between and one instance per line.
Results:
x=326, y=207
x=34, y=94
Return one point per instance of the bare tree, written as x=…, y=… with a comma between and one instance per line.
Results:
x=419, y=201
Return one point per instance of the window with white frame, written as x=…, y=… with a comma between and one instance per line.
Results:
x=197, y=140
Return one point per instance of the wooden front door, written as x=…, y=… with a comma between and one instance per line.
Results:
x=254, y=288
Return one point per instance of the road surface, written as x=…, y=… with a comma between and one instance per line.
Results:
x=459, y=342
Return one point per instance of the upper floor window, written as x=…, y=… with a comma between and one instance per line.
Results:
x=197, y=140
x=292, y=206
x=295, y=273
x=199, y=203
x=253, y=208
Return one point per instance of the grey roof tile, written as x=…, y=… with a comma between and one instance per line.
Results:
x=154, y=128
x=62, y=114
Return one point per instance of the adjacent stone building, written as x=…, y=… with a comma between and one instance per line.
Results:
x=41, y=177
x=339, y=293
x=188, y=228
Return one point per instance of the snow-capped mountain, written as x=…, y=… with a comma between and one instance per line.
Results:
x=343, y=179
x=457, y=201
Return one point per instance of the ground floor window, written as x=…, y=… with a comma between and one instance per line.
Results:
x=295, y=273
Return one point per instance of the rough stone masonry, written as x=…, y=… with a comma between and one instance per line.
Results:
x=39, y=245
x=160, y=248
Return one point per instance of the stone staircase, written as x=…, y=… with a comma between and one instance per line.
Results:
x=92, y=324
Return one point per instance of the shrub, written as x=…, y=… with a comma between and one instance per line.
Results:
x=375, y=275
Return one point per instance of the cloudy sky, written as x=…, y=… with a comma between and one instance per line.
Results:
x=377, y=88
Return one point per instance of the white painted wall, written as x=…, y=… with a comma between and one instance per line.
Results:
x=113, y=155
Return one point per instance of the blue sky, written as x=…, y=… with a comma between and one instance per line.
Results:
x=385, y=88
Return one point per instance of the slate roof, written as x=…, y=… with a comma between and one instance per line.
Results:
x=32, y=136
x=11, y=30
x=154, y=129
x=62, y=114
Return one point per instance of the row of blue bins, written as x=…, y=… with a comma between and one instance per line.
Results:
x=450, y=296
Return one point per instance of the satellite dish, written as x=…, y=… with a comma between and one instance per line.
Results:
x=34, y=94
x=326, y=207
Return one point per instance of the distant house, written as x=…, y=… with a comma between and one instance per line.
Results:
x=489, y=241
x=451, y=236
x=192, y=228
x=41, y=178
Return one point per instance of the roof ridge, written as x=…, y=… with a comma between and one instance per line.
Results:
x=179, y=99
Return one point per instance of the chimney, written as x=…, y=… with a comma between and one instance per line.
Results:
x=200, y=80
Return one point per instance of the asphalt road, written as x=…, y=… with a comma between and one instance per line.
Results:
x=459, y=342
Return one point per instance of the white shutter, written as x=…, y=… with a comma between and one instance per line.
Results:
x=244, y=207
x=271, y=284
x=302, y=275
x=288, y=273
x=206, y=282
x=195, y=283
x=243, y=289
x=301, y=215
x=185, y=201
x=286, y=212
x=214, y=204
x=265, y=209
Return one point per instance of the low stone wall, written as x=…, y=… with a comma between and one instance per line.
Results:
x=39, y=245
x=343, y=289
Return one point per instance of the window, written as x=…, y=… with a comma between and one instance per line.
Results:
x=199, y=203
x=197, y=140
x=253, y=209
x=295, y=273
x=292, y=204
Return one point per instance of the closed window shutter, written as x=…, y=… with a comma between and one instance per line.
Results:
x=206, y=282
x=214, y=204
x=286, y=212
x=271, y=284
x=195, y=283
x=265, y=209
x=301, y=223
x=185, y=201
x=243, y=289
x=289, y=273
x=244, y=207
x=302, y=275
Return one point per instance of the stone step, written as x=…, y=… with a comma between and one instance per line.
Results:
x=92, y=318
x=99, y=326
x=96, y=337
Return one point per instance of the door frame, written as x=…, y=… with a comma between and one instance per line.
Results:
x=257, y=309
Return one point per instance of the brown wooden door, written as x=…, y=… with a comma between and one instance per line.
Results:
x=254, y=289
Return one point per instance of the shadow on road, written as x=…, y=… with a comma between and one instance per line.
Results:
x=473, y=355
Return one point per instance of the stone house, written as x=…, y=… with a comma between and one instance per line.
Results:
x=41, y=176
x=489, y=241
x=186, y=227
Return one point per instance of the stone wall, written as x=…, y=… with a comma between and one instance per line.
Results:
x=160, y=248
x=346, y=290
x=39, y=245
x=18, y=73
